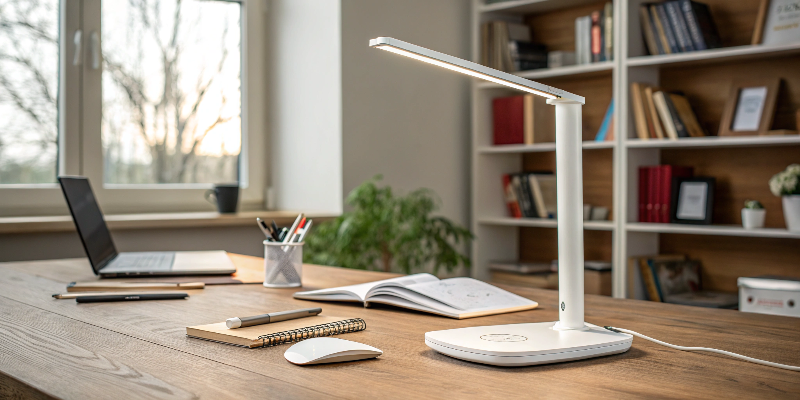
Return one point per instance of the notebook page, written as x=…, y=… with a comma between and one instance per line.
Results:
x=362, y=289
x=469, y=294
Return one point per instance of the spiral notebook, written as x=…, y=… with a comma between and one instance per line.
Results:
x=277, y=333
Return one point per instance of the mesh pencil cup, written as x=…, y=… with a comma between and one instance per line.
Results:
x=283, y=264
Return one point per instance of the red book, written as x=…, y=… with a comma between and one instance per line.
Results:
x=667, y=173
x=643, y=175
x=509, y=120
x=651, y=194
x=597, y=38
x=656, y=184
x=511, y=197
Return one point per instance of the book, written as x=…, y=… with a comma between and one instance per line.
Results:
x=606, y=125
x=455, y=297
x=541, y=281
x=758, y=30
x=678, y=23
x=648, y=31
x=486, y=38
x=556, y=59
x=686, y=115
x=511, y=197
x=701, y=26
x=544, y=190
x=508, y=120
x=526, y=56
x=597, y=36
x=635, y=281
x=608, y=31
x=538, y=120
x=650, y=108
x=522, y=197
x=649, y=280
x=654, y=195
x=782, y=22
x=680, y=127
x=638, y=111
x=277, y=333
x=705, y=299
x=668, y=172
x=664, y=115
x=522, y=267
x=529, y=209
x=583, y=40
x=669, y=31
x=660, y=34
x=644, y=175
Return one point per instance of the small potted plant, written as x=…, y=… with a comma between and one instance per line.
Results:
x=753, y=214
x=786, y=184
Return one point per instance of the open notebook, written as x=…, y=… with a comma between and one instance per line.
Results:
x=455, y=297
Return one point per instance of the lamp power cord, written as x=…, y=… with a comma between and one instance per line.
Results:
x=723, y=352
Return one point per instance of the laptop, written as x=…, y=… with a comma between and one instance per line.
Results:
x=103, y=255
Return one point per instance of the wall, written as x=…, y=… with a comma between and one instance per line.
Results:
x=403, y=118
x=305, y=113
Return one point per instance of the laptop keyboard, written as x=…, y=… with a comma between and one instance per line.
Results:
x=145, y=261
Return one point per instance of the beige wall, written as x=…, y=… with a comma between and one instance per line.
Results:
x=403, y=118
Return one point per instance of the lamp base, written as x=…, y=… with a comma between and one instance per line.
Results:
x=527, y=344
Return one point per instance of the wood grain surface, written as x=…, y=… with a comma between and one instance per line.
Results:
x=57, y=348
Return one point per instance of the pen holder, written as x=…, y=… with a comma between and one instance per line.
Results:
x=283, y=264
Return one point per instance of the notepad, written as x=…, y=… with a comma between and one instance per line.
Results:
x=267, y=335
x=455, y=297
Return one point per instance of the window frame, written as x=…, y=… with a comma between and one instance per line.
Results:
x=80, y=144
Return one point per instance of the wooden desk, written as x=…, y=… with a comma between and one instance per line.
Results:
x=139, y=350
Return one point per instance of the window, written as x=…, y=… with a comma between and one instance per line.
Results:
x=148, y=98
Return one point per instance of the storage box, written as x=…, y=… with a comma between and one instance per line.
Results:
x=774, y=295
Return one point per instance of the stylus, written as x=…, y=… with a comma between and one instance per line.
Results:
x=108, y=293
x=241, y=322
x=131, y=297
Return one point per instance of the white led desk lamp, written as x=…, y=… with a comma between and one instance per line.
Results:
x=545, y=342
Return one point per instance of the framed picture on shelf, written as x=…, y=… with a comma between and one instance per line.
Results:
x=692, y=200
x=750, y=108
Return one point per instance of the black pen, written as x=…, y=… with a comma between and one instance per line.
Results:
x=131, y=297
x=275, y=231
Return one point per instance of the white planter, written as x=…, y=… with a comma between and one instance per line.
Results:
x=791, y=212
x=752, y=218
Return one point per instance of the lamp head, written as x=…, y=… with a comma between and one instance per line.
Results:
x=472, y=69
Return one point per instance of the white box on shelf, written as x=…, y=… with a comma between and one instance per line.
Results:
x=770, y=295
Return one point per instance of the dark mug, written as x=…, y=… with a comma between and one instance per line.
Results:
x=226, y=197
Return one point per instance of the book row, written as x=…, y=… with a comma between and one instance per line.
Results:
x=677, y=27
x=528, y=119
x=655, y=191
x=662, y=115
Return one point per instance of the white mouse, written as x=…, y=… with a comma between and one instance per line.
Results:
x=327, y=350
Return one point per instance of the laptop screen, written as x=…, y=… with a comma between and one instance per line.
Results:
x=88, y=221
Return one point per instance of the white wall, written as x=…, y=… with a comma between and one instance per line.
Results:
x=305, y=115
x=402, y=118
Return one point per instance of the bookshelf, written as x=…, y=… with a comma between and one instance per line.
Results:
x=742, y=165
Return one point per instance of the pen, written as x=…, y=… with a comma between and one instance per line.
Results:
x=297, y=231
x=119, y=286
x=289, y=234
x=74, y=295
x=131, y=297
x=275, y=231
x=237, y=322
x=306, y=227
x=264, y=228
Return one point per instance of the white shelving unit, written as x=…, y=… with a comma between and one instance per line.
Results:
x=498, y=235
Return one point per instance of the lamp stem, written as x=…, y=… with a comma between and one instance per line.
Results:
x=569, y=181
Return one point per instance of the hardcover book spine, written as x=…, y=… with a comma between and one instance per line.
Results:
x=597, y=37
x=706, y=24
x=694, y=27
x=679, y=25
x=655, y=183
x=508, y=120
x=643, y=175
x=511, y=198
x=651, y=194
x=669, y=32
x=659, y=29
x=680, y=128
x=638, y=111
x=647, y=31
x=527, y=199
x=608, y=31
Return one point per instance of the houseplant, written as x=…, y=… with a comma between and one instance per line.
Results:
x=786, y=184
x=389, y=232
x=753, y=214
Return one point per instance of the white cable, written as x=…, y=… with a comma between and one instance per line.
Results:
x=727, y=353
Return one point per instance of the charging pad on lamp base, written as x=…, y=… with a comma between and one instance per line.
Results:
x=547, y=342
x=527, y=344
